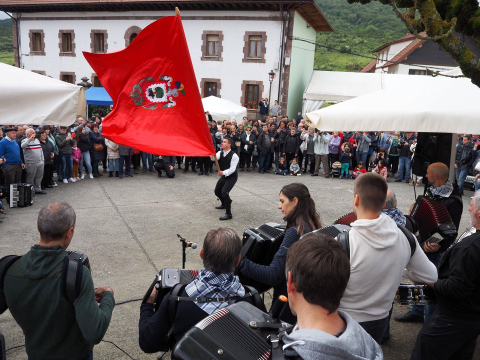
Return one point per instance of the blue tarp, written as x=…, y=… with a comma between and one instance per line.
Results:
x=98, y=96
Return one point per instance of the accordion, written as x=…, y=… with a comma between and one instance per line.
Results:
x=165, y=280
x=229, y=334
x=346, y=219
x=433, y=218
x=332, y=230
x=260, y=246
x=21, y=195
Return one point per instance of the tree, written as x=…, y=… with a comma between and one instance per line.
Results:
x=439, y=19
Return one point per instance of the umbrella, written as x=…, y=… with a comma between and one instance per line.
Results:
x=222, y=109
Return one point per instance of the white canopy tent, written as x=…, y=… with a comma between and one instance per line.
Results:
x=30, y=98
x=222, y=109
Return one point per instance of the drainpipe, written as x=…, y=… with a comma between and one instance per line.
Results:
x=17, y=31
x=281, y=57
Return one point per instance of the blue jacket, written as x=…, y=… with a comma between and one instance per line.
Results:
x=11, y=151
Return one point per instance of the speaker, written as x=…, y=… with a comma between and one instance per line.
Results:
x=431, y=148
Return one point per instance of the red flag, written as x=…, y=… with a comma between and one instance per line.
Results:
x=156, y=103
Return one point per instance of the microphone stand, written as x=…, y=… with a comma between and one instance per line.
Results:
x=184, y=253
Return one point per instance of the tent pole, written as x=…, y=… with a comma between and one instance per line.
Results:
x=453, y=152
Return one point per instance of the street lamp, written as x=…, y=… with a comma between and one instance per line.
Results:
x=271, y=75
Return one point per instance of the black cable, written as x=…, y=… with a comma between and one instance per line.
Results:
x=128, y=301
x=14, y=347
x=119, y=348
x=360, y=55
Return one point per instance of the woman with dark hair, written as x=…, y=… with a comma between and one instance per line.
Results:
x=98, y=144
x=298, y=209
x=83, y=143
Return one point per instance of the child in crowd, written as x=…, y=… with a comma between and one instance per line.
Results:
x=381, y=169
x=345, y=157
x=359, y=170
x=295, y=168
x=282, y=167
x=77, y=156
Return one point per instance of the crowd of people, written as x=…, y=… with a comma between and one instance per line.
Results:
x=339, y=296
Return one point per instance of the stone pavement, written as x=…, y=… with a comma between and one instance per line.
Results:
x=128, y=227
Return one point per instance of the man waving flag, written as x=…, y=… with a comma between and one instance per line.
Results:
x=157, y=106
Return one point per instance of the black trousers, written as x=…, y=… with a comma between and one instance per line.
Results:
x=446, y=337
x=245, y=158
x=136, y=161
x=288, y=158
x=190, y=161
x=331, y=159
x=393, y=164
x=159, y=166
x=204, y=164
x=223, y=188
x=47, y=175
x=375, y=328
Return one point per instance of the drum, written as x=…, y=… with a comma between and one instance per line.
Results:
x=411, y=294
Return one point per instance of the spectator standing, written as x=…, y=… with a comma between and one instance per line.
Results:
x=333, y=149
x=113, y=157
x=124, y=161
x=291, y=146
x=83, y=143
x=385, y=141
x=34, y=161
x=393, y=154
x=12, y=161
x=77, y=160
x=320, y=140
x=363, y=144
x=263, y=107
x=405, y=156
x=98, y=144
x=280, y=135
x=248, y=143
x=136, y=161
x=265, y=147
x=48, y=156
x=148, y=157
x=65, y=143
x=309, y=152
x=56, y=158
x=345, y=158
x=462, y=158
x=275, y=108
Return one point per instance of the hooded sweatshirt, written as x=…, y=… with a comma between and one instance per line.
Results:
x=379, y=254
x=353, y=344
x=54, y=328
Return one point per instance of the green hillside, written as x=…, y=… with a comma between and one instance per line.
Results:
x=6, y=42
x=358, y=29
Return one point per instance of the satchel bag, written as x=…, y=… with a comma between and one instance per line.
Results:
x=98, y=147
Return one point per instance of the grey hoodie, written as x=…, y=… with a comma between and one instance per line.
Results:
x=353, y=344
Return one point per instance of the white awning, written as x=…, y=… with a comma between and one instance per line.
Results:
x=222, y=109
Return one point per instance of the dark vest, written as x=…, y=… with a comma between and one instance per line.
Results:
x=225, y=161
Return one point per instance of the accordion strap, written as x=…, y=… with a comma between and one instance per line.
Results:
x=206, y=299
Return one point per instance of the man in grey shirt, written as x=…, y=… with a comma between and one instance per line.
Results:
x=275, y=108
x=34, y=160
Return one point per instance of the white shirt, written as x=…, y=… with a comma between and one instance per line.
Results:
x=248, y=139
x=233, y=163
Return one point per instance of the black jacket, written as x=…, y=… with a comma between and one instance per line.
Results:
x=47, y=148
x=280, y=139
x=467, y=156
x=253, y=138
x=404, y=150
x=458, y=285
x=154, y=327
x=263, y=108
x=291, y=145
x=262, y=149
x=83, y=143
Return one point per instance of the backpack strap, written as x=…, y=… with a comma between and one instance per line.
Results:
x=344, y=239
x=172, y=306
x=72, y=274
x=411, y=239
x=5, y=264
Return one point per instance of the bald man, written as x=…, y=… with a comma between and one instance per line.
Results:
x=34, y=160
x=390, y=209
x=443, y=191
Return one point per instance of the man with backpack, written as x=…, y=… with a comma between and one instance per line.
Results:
x=379, y=252
x=34, y=288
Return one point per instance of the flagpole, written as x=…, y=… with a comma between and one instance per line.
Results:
x=177, y=11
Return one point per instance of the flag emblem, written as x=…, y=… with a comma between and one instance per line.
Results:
x=150, y=93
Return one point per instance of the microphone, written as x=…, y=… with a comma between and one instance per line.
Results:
x=190, y=244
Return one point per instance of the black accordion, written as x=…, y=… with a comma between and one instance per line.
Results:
x=332, y=230
x=165, y=280
x=260, y=246
x=21, y=195
x=433, y=218
x=232, y=333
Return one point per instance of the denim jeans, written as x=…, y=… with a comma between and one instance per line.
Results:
x=461, y=174
x=87, y=161
x=113, y=164
x=66, y=167
x=124, y=162
x=419, y=310
x=146, y=156
x=264, y=162
x=362, y=156
x=95, y=166
x=404, y=168
x=281, y=172
x=477, y=185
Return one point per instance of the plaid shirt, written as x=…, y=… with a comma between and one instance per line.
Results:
x=396, y=215
x=209, y=284
x=443, y=191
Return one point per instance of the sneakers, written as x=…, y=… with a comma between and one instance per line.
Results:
x=54, y=184
x=78, y=179
x=409, y=317
x=65, y=181
x=91, y=176
x=82, y=177
x=71, y=180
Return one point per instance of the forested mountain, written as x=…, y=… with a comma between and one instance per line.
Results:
x=359, y=29
x=6, y=41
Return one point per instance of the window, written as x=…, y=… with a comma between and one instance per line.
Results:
x=210, y=89
x=96, y=82
x=255, y=46
x=67, y=78
x=252, y=97
x=417, y=72
x=212, y=45
x=131, y=34
x=99, y=40
x=132, y=37
x=37, y=41
x=67, y=42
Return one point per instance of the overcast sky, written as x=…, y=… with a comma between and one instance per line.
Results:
x=3, y=15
